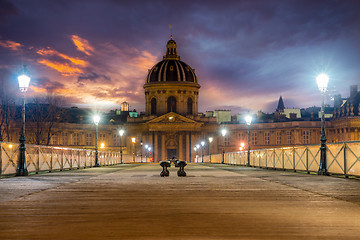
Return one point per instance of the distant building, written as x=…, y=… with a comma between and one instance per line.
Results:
x=222, y=116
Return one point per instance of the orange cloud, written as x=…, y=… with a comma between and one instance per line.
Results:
x=63, y=68
x=51, y=52
x=82, y=45
x=10, y=44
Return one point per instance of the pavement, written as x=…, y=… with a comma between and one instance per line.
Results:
x=211, y=202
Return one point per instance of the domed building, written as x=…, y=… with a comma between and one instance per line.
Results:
x=171, y=86
x=171, y=124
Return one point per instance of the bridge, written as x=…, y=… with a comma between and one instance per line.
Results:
x=214, y=201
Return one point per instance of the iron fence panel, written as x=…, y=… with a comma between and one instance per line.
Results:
x=335, y=158
x=300, y=155
x=352, y=156
x=313, y=158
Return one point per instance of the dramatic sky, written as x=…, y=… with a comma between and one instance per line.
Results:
x=246, y=53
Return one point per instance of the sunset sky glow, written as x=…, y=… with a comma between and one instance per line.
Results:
x=245, y=53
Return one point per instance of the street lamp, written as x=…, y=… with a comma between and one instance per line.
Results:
x=223, y=133
x=24, y=82
x=210, y=141
x=202, y=150
x=133, y=140
x=96, y=119
x=322, y=82
x=248, y=120
x=121, y=132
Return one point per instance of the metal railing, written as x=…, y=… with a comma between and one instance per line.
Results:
x=342, y=158
x=44, y=158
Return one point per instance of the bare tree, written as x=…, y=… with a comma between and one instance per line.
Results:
x=44, y=112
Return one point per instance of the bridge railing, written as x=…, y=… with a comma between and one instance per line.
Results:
x=341, y=158
x=44, y=158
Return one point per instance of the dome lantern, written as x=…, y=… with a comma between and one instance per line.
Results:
x=171, y=50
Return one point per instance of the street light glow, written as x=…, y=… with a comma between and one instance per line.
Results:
x=121, y=132
x=24, y=82
x=248, y=119
x=211, y=139
x=96, y=119
x=322, y=82
x=223, y=132
x=203, y=143
x=133, y=140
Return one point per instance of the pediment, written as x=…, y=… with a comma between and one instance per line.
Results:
x=172, y=118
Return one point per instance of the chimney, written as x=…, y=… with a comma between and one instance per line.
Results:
x=353, y=90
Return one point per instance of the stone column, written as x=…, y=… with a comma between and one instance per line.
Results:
x=181, y=148
x=187, y=149
x=163, y=149
x=156, y=148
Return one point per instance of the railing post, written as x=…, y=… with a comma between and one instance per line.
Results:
x=1, y=146
x=294, y=159
x=38, y=161
x=283, y=158
x=266, y=156
x=51, y=159
x=307, y=160
x=274, y=158
x=345, y=163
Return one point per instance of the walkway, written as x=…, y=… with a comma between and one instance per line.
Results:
x=212, y=202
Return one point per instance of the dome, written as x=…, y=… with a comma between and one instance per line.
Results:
x=171, y=68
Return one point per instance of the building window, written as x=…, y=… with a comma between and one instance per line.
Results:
x=76, y=138
x=171, y=104
x=267, y=138
x=253, y=138
x=306, y=137
x=65, y=139
x=278, y=138
x=153, y=106
x=289, y=137
x=54, y=139
x=227, y=140
x=102, y=137
x=116, y=140
x=189, y=106
x=88, y=139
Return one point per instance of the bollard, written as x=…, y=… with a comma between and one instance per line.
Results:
x=165, y=172
x=181, y=172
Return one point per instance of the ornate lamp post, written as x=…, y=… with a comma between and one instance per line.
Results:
x=210, y=141
x=121, y=132
x=223, y=133
x=202, y=150
x=322, y=81
x=248, y=120
x=96, y=119
x=24, y=82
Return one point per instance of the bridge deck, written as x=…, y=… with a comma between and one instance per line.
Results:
x=212, y=202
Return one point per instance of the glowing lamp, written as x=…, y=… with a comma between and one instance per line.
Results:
x=223, y=132
x=248, y=119
x=202, y=143
x=133, y=140
x=121, y=132
x=322, y=82
x=211, y=139
x=96, y=119
x=24, y=82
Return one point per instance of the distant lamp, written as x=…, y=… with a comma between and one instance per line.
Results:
x=223, y=133
x=202, y=150
x=96, y=119
x=121, y=132
x=210, y=141
x=248, y=120
x=102, y=145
